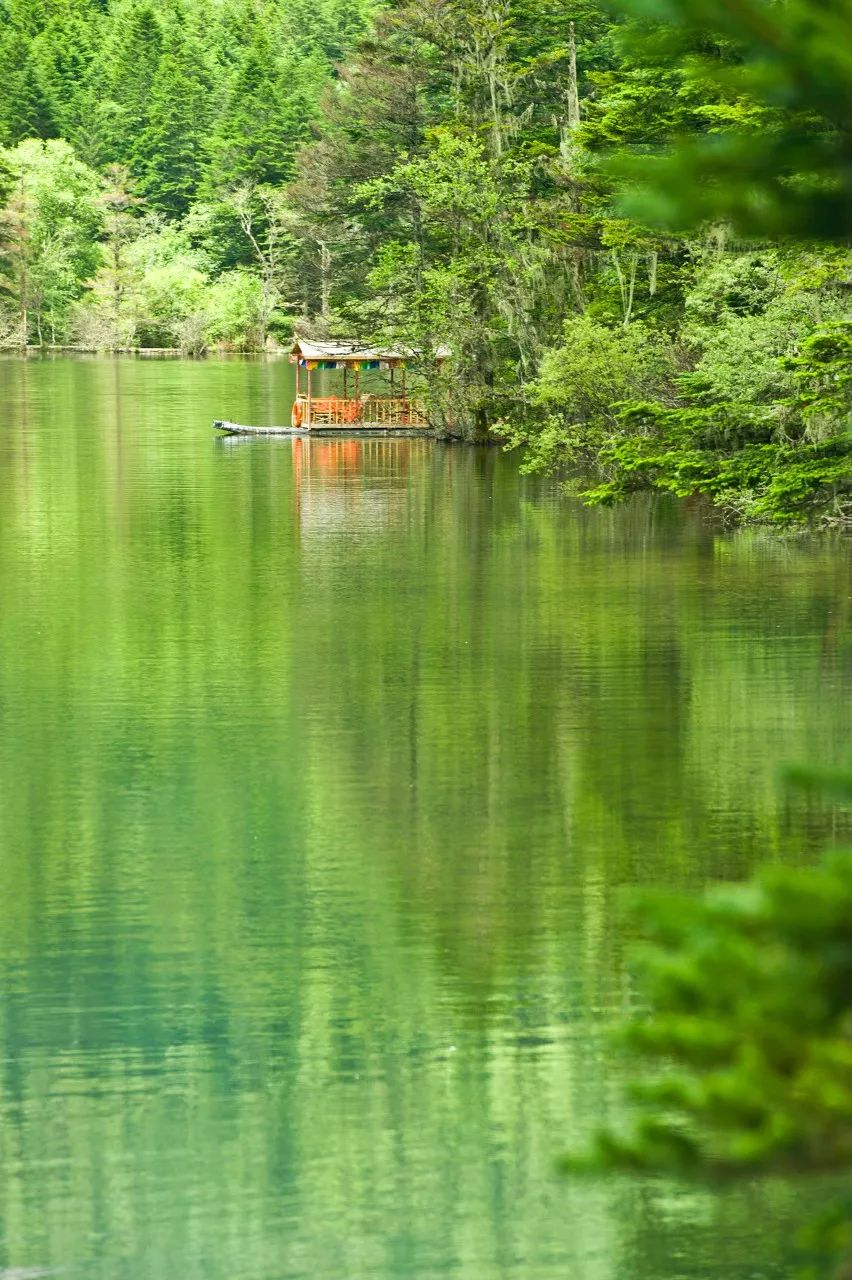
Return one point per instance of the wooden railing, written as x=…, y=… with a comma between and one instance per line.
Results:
x=389, y=411
x=330, y=411
x=371, y=411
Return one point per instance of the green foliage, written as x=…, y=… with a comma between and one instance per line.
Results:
x=750, y=992
x=172, y=291
x=167, y=151
x=780, y=452
x=269, y=102
x=748, y=1031
x=156, y=295
x=747, y=314
x=682, y=451
x=579, y=386
x=28, y=111
x=823, y=375
x=236, y=309
x=771, y=149
x=190, y=101
x=482, y=214
x=756, y=419
x=63, y=54
x=129, y=60
x=49, y=226
x=157, y=288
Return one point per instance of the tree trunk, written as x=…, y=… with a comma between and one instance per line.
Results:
x=325, y=280
x=571, y=120
x=626, y=286
x=116, y=292
x=573, y=92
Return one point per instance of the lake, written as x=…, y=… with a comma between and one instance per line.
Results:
x=324, y=768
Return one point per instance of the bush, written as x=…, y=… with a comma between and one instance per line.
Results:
x=234, y=304
x=580, y=385
x=744, y=316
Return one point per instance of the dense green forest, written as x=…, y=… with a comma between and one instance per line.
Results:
x=630, y=227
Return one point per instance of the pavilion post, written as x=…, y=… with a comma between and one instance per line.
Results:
x=298, y=379
x=310, y=393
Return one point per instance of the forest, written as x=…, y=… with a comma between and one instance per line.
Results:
x=630, y=224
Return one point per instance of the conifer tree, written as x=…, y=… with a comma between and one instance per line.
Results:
x=63, y=52
x=168, y=153
x=26, y=109
x=330, y=27
x=265, y=116
x=128, y=63
x=27, y=16
x=748, y=1035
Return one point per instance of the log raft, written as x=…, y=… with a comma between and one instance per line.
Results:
x=352, y=429
x=240, y=429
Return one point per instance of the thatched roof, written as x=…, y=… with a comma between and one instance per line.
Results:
x=350, y=352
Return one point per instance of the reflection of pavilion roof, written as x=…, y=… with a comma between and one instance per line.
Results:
x=343, y=352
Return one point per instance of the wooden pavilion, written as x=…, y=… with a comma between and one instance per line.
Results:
x=353, y=410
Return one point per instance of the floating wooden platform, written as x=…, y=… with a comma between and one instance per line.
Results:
x=351, y=429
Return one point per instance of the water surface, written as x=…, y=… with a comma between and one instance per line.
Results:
x=323, y=767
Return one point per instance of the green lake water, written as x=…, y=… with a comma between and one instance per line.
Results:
x=323, y=770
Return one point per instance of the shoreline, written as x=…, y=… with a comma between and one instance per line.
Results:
x=149, y=352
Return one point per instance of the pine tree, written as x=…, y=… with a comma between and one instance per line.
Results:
x=168, y=152
x=265, y=117
x=26, y=109
x=331, y=28
x=122, y=225
x=128, y=65
x=27, y=16
x=63, y=52
x=31, y=112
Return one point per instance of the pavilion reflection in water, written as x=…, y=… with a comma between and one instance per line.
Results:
x=341, y=482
